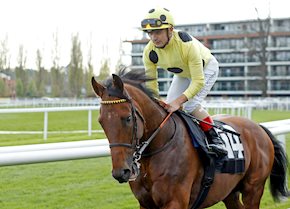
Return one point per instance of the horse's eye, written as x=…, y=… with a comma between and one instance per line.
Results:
x=128, y=119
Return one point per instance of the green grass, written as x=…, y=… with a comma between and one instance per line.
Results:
x=269, y=115
x=78, y=184
x=57, y=121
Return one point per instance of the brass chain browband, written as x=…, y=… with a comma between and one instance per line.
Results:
x=114, y=101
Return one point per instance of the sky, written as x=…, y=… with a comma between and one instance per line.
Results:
x=105, y=24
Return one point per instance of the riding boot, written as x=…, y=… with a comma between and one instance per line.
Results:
x=215, y=143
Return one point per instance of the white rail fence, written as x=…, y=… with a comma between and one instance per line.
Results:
x=47, y=102
x=228, y=108
x=268, y=103
x=40, y=153
x=46, y=110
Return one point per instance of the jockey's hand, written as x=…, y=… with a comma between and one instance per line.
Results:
x=176, y=104
x=172, y=106
x=162, y=103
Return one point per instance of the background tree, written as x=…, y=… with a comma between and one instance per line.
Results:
x=2, y=87
x=104, y=70
x=89, y=73
x=120, y=64
x=57, y=80
x=19, y=88
x=4, y=59
x=4, y=66
x=75, y=72
x=257, y=47
x=21, y=75
x=32, y=91
x=40, y=78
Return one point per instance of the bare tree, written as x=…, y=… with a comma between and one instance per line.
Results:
x=4, y=66
x=89, y=72
x=57, y=80
x=120, y=65
x=4, y=59
x=104, y=70
x=21, y=74
x=76, y=67
x=40, y=80
x=257, y=47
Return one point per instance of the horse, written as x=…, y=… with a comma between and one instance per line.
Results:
x=152, y=151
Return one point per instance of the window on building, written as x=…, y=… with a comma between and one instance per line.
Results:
x=164, y=73
x=138, y=48
x=228, y=44
x=231, y=72
x=280, y=23
x=280, y=70
x=252, y=26
x=254, y=85
x=219, y=27
x=280, y=85
x=230, y=57
x=163, y=85
x=229, y=86
x=282, y=41
x=252, y=57
x=282, y=56
x=136, y=61
x=254, y=71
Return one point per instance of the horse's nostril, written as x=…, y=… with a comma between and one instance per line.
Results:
x=122, y=175
x=126, y=173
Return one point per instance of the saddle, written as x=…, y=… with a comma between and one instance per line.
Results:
x=233, y=163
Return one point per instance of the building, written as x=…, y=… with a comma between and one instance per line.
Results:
x=9, y=86
x=237, y=46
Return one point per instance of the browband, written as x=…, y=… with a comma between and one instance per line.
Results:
x=114, y=101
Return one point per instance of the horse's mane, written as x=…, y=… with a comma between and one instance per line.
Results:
x=136, y=78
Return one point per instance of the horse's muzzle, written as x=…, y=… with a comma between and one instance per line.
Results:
x=121, y=175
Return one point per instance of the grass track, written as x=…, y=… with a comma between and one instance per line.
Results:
x=78, y=184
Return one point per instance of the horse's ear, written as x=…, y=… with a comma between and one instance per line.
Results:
x=118, y=83
x=98, y=88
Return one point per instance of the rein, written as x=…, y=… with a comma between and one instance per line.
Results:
x=145, y=144
x=139, y=149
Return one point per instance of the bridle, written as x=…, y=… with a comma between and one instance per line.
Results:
x=135, y=128
x=139, y=147
x=135, y=112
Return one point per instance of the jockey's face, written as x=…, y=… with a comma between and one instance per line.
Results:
x=160, y=37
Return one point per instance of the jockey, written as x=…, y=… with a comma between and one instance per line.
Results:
x=195, y=70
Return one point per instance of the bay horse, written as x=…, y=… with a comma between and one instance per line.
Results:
x=166, y=171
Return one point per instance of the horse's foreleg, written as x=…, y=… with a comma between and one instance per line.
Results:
x=174, y=205
x=252, y=195
x=233, y=201
x=171, y=205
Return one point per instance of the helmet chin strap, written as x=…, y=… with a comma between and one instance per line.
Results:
x=168, y=39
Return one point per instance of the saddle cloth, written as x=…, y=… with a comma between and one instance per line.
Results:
x=234, y=162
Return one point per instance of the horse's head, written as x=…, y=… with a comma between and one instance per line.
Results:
x=122, y=123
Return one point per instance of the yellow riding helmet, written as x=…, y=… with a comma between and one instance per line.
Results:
x=157, y=18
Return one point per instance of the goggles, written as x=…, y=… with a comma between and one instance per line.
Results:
x=154, y=23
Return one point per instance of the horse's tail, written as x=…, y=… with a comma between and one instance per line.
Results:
x=278, y=176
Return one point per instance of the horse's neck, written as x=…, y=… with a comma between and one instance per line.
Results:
x=152, y=112
x=154, y=115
